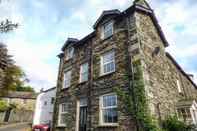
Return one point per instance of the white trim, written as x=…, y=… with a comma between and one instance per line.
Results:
x=59, y=115
x=178, y=86
x=102, y=63
x=193, y=111
x=69, y=54
x=101, y=121
x=67, y=71
x=77, y=115
x=103, y=29
x=80, y=74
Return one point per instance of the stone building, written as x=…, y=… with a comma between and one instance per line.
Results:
x=91, y=67
x=22, y=100
x=21, y=107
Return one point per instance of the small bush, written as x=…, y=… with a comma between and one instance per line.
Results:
x=3, y=106
x=173, y=124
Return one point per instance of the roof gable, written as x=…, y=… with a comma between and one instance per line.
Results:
x=105, y=13
x=180, y=69
x=69, y=41
x=142, y=3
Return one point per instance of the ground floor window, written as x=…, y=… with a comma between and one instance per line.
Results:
x=108, y=109
x=63, y=110
x=185, y=114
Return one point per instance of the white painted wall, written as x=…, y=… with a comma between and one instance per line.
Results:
x=44, y=108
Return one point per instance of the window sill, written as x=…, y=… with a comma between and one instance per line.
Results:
x=109, y=125
x=82, y=82
x=63, y=89
x=61, y=126
x=104, y=39
x=106, y=74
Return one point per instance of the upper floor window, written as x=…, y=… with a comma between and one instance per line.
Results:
x=67, y=79
x=109, y=113
x=107, y=30
x=107, y=63
x=69, y=53
x=63, y=111
x=83, y=72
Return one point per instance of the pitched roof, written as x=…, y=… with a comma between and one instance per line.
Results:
x=50, y=89
x=21, y=95
x=143, y=6
x=106, y=13
x=138, y=5
x=69, y=41
x=180, y=69
x=142, y=3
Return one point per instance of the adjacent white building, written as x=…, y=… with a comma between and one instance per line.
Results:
x=44, y=107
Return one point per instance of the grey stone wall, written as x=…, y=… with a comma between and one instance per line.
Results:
x=97, y=85
x=139, y=37
x=160, y=73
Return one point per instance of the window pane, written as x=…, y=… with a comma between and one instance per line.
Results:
x=108, y=62
x=70, y=52
x=84, y=77
x=84, y=72
x=108, y=29
x=67, y=79
x=108, y=57
x=110, y=115
x=62, y=118
x=109, y=100
x=110, y=67
x=64, y=107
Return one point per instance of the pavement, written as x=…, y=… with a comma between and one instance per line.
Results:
x=16, y=127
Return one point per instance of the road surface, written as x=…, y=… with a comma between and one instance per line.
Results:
x=16, y=127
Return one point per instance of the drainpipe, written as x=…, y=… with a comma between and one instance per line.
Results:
x=90, y=84
x=130, y=71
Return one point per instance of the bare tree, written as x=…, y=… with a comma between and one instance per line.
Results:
x=7, y=25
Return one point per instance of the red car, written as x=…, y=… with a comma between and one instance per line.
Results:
x=41, y=127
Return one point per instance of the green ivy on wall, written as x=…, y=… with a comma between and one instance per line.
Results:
x=134, y=101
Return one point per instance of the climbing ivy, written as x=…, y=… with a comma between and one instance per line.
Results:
x=134, y=101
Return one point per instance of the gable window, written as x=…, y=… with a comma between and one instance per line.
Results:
x=107, y=63
x=107, y=30
x=108, y=109
x=69, y=53
x=67, y=79
x=178, y=86
x=63, y=111
x=83, y=72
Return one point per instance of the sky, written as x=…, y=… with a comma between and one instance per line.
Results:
x=44, y=26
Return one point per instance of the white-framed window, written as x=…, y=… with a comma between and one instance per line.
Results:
x=69, y=53
x=108, y=109
x=63, y=111
x=108, y=63
x=107, y=29
x=67, y=79
x=178, y=86
x=83, y=72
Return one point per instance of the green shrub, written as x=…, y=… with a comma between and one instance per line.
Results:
x=173, y=124
x=3, y=106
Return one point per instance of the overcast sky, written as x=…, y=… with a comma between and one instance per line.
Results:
x=46, y=24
